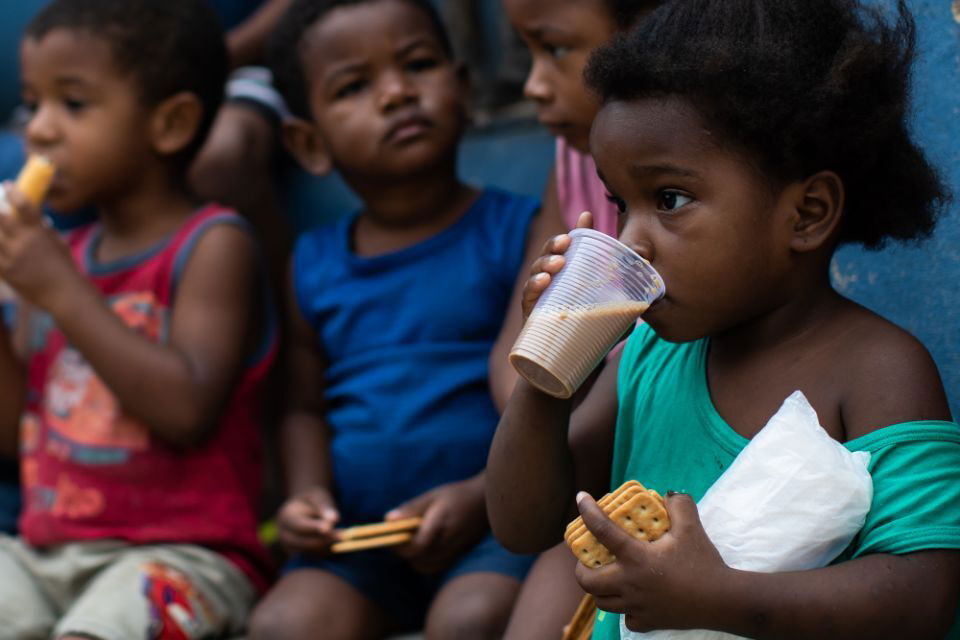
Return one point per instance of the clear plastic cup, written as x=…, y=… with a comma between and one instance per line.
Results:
x=602, y=289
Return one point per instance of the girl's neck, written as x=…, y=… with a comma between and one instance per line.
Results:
x=403, y=212
x=795, y=320
x=140, y=217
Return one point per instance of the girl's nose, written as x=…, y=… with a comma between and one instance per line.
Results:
x=636, y=237
x=536, y=87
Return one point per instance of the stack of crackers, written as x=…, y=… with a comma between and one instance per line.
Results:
x=637, y=510
x=373, y=536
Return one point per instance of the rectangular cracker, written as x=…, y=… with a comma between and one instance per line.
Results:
x=643, y=516
x=605, y=503
x=375, y=542
x=617, y=499
x=379, y=528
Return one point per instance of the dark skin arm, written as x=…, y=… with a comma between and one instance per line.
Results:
x=547, y=224
x=245, y=42
x=529, y=504
x=181, y=385
x=681, y=582
x=307, y=519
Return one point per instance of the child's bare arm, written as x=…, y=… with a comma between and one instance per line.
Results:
x=176, y=388
x=307, y=518
x=547, y=224
x=536, y=462
x=681, y=582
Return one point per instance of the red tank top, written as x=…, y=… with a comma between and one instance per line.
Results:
x=89, y=471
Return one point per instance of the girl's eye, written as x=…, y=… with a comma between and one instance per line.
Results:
x=352, y=87
x=556, y=51
x=74, y=105
x=617, y=202
x=30, y=106
x=670, y=200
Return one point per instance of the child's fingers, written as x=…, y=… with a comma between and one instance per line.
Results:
x=557, y=245
x=23, y=209
x=682, y=511
x=603, y=528
x=585, y=221
x=550, y=264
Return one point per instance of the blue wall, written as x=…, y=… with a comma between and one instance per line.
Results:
x=919, y=287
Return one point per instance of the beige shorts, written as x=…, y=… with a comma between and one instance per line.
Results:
x=115, y=591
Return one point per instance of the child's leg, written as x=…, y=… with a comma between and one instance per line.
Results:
x=473, y=606
x=161, y=591
x=548, y=598
x=26, y=613
x=480, y=591
x=312, y=603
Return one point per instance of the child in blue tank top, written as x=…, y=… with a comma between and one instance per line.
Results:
x=742, y=142
x=395, y=312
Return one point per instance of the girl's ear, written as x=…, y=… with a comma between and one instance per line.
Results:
x=304, y=142
x=175, y=122
x=817, y=211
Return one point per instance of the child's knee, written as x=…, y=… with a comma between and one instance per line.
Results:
x=480, y=614
x=276, y=619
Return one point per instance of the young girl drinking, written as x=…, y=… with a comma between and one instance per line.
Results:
x=743, y=142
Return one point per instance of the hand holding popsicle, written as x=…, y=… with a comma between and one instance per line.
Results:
x=33, y=259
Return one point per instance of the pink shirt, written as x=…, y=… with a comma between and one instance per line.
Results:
x=579, y=189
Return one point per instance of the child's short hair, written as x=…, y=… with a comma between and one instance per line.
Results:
x=168, y=47
x=801, y=86
x=284, y=51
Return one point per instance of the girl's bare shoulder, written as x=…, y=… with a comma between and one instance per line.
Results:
x=888, y=375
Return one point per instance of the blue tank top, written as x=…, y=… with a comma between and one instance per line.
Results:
x=406, y=337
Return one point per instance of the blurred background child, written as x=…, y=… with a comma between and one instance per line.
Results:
x=733, y=138
x=147, y=347
x=394, y=312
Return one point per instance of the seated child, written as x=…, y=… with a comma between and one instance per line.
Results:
x=742, y=141
x=395, y=310
x=146, y=349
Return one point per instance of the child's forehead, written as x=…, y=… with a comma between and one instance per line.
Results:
x=349, y=30
x=65, y=49
x=560, y=16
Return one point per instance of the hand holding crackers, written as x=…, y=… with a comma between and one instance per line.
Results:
x=637, y=510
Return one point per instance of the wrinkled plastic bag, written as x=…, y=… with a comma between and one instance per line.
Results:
x=792, y=500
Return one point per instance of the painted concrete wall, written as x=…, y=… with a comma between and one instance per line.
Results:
x=919, y=287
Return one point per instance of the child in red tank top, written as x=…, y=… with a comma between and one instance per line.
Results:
x=144, y=352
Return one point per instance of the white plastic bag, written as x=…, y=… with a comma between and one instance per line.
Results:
x=792, y=500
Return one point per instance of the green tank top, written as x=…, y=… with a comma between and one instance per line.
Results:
x=670, y=437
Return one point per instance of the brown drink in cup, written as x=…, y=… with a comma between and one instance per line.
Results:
x=603, y=288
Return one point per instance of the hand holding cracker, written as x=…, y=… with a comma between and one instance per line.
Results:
x=306, y=521
x=657, y=585
x=452, y=522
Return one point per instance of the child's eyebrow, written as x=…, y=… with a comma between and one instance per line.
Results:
x=654, y=170
x=346, y=68
x=416, y=43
